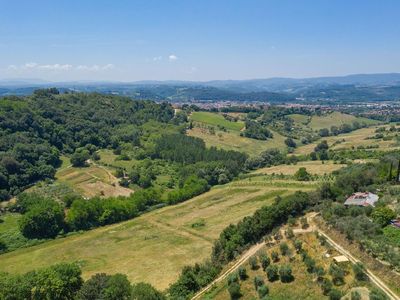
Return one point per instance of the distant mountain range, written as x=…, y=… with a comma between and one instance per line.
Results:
x=351, y=88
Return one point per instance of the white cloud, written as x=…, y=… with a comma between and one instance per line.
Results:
x=59, y=67
x=55, y=67
x=157, y=58
x=95, y=68
x=172, y=57
x=30, y=65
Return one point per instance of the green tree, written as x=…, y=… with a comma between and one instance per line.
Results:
x=383, y=215
x=145, y=291
x=359, y=271
x=265, y=261
x=290, y=143
x=284, y=248
x=58, y=282
x=242, y=273
x=377, y=294
x=285, y=273
x=118, y=288
x=335, y=294
x=234, y=290
x=262, y=291
x=79, y=158
x=253, y=263
x=302, y=174
x=337, y=274
x=355, y=295
x=275, y=256
x=258, y=281
x=272, y=273
x=43, y=220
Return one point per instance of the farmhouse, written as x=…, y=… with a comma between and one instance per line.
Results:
x=362, y=199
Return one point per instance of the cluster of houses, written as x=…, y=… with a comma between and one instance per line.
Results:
x=367, y=199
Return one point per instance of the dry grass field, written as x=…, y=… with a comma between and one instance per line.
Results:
x=231, y=140
x=336, y=119
x=92, y=181
x=352, y=140
x=304, y=285
x=155, y=246
x=313, y=167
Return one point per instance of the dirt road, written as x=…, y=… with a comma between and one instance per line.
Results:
x=253, y=250
x=354, y=260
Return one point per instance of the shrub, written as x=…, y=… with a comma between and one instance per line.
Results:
x=234, y=291
x=302, y=174
x=258, y=281
x=285, y=272
x=335, y=294
x=359, y=271
x=272, y=273
x=265, y=261
x=355, y=295
x=337, y=274
x=326, y=286
x=275, y=256
x=242, y=273
x=284, y=249
x=262, y=291
x=233, y=277
x=383, y=215
x=253, y=263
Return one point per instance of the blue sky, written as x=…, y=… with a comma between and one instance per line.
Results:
x=197, y=39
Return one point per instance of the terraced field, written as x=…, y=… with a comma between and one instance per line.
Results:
x=312, y=167
x=155, y=246
x=92, y=181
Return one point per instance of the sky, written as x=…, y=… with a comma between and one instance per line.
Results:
x=68, y=40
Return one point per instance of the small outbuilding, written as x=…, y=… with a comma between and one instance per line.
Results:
x=340, y=259
x=362, y=199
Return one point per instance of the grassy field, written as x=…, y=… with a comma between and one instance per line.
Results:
x=298, y=118
x=92, y=181
x=313, y=167
x=303, y=286
x=352, y=140
x=155, y=246
x=336, y=119
x=233, y=141
x=215, y=120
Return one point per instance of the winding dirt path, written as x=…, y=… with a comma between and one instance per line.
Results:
x=313, y=227
x=253, y=250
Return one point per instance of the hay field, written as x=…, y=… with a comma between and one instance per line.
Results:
x=352, y=140
x=215, y=120
x=231, y=140
x=336, y=119
x=155, y=246
x=313, y=167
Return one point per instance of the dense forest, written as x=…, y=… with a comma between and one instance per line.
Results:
x=35, y=130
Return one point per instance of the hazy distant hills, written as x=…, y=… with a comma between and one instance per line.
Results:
x=351, y=88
